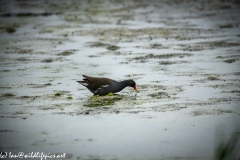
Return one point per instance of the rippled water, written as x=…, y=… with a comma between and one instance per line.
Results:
x=184, y=57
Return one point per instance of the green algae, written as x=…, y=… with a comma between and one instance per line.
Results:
x=8, y=95
x=69, y=97
x=100, y=101
x=213, y=78
x=113, y=47
x=230, y=60
x=110, y=94
x=106, y=45
x=10, y=29
x=58, y=94
x=65, y=53
x=94, y=96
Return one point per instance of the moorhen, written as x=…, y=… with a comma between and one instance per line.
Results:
x=102, y=86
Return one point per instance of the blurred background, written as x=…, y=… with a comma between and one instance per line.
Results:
x=183, y=55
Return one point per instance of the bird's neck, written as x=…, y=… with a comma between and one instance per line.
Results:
x=123, y=84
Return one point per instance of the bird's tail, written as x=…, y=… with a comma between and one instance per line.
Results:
x=83, y=83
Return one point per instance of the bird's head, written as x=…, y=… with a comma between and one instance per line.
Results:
x=133, y=84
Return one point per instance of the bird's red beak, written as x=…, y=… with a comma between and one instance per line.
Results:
x=135, y=87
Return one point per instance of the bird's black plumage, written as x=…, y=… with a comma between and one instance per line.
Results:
x=102, y=86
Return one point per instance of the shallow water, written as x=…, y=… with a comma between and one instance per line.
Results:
x=184, y=57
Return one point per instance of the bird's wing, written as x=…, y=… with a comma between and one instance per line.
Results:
x=98, y=81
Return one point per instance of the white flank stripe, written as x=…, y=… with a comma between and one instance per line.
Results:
x=105, y=86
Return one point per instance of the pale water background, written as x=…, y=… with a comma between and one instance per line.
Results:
x=183, y=55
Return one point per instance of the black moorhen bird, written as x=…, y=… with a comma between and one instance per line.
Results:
x=102, y=86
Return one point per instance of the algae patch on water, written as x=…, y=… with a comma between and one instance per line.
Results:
x=58, y=94
x=106, y=45
x=7, y=95
x=69, y=97
x=113, y=47
x=213, y=78
x=100, y=101
x=230, y=60
x=10, y=29
x=110, y=94
x=160, y=95
x=61, y=93
x=65, y=53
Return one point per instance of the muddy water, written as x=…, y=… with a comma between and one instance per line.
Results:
x=183, y=55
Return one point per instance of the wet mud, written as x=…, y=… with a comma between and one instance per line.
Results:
x=183, y=55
